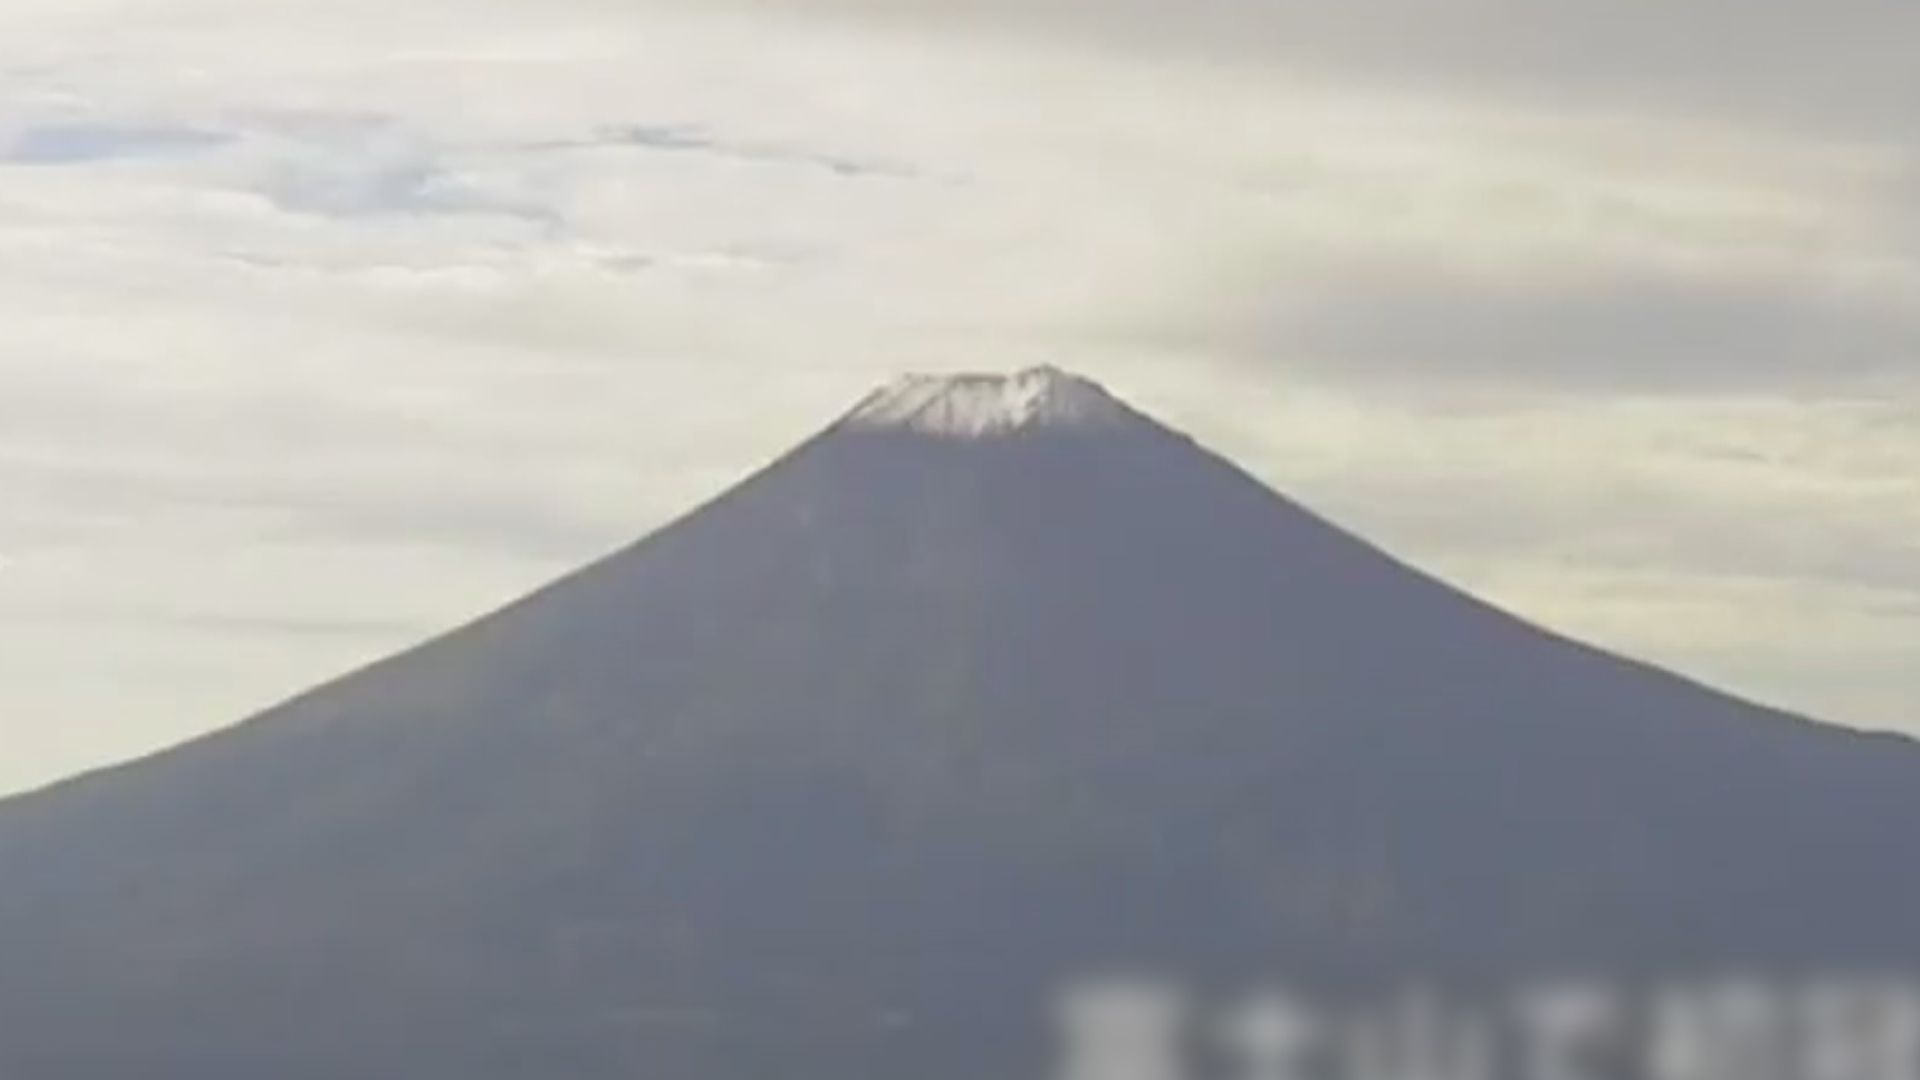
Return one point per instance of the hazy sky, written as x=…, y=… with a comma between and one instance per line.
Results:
x=331, y=325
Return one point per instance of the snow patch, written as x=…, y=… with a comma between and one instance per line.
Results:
x=974, y=406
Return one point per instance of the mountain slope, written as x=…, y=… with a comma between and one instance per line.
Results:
x=994, y=681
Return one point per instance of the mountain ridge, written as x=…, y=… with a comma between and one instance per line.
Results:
x=914, y=724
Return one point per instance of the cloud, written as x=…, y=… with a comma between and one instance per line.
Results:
x=681, y=139
x=1620, y=332
x=1844, y=69
x=80, y=143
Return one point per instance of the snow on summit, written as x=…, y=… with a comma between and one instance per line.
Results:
x=976, y=405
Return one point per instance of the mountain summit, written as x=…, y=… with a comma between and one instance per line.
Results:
x=971, y=406
x=843, y=774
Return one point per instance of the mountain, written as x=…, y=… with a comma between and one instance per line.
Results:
x=993, y=682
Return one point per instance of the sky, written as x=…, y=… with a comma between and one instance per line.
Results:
x=330, y=326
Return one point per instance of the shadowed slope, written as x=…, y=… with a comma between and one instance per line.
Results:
x=837, y=775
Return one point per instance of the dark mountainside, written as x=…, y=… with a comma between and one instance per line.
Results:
x=991, y=684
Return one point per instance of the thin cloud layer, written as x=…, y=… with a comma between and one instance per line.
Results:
x=1651, y=332
x=1844, y=69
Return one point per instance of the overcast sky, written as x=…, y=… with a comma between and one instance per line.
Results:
x=331, y=325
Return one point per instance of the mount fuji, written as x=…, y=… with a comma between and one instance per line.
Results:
x=993, y=682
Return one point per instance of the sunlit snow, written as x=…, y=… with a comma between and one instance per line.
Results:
x=973, y=405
